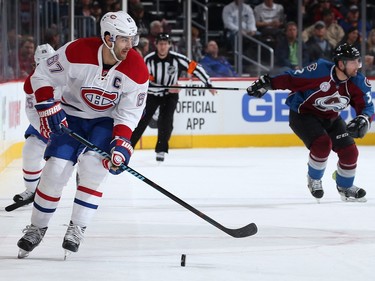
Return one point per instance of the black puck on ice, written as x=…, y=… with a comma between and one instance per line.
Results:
x=183, y=259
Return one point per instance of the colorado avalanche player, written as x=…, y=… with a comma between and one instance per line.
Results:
x=35, y=144
x=105, y=84
x=318, y=93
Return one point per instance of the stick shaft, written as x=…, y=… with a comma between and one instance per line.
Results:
x=197, y=88
x=245, y=231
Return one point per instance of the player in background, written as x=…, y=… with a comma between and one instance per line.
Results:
x=319, y=92
x=35, y=144
x=165, y=68
x=105, y=88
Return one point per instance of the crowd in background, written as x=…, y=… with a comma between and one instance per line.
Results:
x=326, y=23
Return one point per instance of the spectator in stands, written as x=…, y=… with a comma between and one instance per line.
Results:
x=25, y=57
x=318, y=47
x=346, y=4
x=353, y=19
x=290, y=9
x=286, y=51
x=84, y=15
x=307, y=7
x=143, y=46
x=215, y=65
x=84, y=8
x=196, y=45
x=317, y=11
x=6, y=73
x=156, y=27
x=137, y=12
x=108, y=5
x=13, y=38
x=370, y=53
x=269, y=18
x=143, y=18
x=334, y=32
x=97, y=14
x=230, y=16
x=52, y=37
x=352, y=37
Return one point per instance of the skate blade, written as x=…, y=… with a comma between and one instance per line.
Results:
x=22, y=254
x=350, y=199
x=67, y=253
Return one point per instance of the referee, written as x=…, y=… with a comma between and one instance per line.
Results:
x=165, y=69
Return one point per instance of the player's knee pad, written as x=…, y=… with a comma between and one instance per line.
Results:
x=55, y=176
x=321, y=147
x=91, y=172
x=348, y=155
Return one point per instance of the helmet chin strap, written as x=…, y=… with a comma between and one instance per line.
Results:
x=111, y=50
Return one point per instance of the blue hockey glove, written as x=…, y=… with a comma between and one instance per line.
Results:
x=51, y=116
x=121, y=151
x=260, y=86
x=358, y=127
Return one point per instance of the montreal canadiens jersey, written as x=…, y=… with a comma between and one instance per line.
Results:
x=87, y=91
x=316, y=90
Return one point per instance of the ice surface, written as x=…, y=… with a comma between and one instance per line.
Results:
x=139, y=234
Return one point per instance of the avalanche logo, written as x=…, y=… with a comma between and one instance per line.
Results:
x=98, y=99
x=336, y=102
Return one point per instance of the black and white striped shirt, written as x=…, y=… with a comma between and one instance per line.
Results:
x=167, y=71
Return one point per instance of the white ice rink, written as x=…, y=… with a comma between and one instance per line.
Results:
x=139, y=234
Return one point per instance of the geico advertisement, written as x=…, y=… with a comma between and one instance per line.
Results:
x=233, y=112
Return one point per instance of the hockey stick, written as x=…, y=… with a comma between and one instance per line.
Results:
x=19, y=204
x=245, y=231
x=197, y=88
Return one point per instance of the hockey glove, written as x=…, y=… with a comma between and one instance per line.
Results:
x=358, y=127
x=51, y=116
x=121, y=151
x=260, y=87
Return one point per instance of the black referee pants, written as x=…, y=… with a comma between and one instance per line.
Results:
x=167, y=104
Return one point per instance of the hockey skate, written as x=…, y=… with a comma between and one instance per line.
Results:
x=315, y=187
x=72, y=238
x=352, y=194
x=32, y=238
x=160, y=156
x=24, y=196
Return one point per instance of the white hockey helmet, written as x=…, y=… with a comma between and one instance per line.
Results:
x=119, y=24
x=43, y=52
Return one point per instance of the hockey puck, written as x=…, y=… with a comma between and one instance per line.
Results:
x=183, y=259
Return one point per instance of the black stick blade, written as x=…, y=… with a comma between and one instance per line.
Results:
x=19, y=204
x=242, y=232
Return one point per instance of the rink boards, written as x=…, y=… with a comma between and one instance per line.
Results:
x=228, y=119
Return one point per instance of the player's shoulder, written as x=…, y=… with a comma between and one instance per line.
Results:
x=319, y=68
x=134, y=67
x=84, y=50
x=325, y=63
x=361, y=80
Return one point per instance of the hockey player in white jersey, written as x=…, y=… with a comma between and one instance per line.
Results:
x=35, y=143
x=106, y=84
